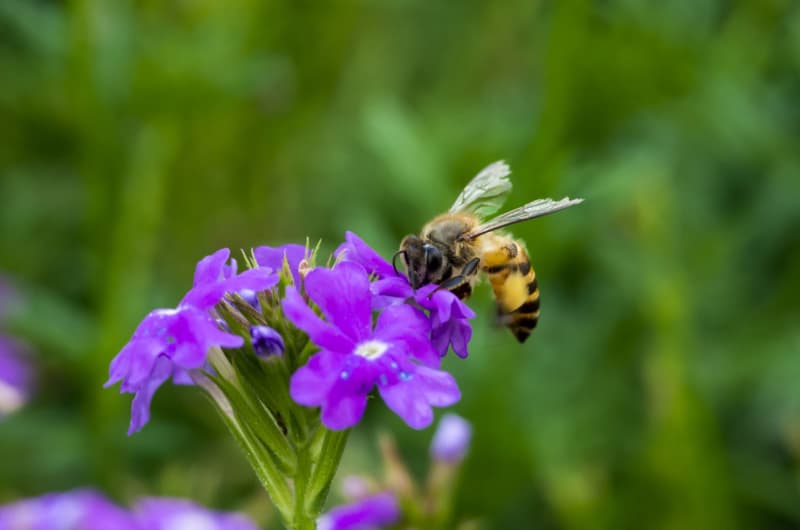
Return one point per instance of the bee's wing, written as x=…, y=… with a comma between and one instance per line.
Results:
x=485, y=193
x=531, y=210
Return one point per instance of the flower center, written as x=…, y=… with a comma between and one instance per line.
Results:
x=372, y=349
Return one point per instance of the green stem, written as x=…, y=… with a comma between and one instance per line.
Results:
x=302, y=519
x=330, y=455
x=266, y=471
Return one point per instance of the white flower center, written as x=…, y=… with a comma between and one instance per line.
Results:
x=372, y=349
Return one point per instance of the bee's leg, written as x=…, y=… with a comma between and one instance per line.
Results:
x=460, y=285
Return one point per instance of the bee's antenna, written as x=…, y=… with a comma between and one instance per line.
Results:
x=394, y=260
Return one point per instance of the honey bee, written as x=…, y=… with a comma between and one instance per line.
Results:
x=454, y=247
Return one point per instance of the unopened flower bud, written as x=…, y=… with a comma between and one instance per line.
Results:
x=452, y=438
x=266, y=341
x=251, y=297
x=356, y=487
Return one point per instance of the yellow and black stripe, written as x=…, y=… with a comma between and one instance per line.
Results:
x=516, y=290
x=526, y=316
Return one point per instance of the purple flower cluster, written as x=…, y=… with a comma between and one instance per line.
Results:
x=170, y=343
x=89, y=510
x=399, y=353
x=375, y=332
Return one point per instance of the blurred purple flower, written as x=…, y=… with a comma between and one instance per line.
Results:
x=16, y=376
x=370, y=513
x=354, y=357
x=266, y=341
x=355, y=487
x=272, y=258
x=180, y=514
x=171, y=342
x=72, y=510
x=452, y=439
x=89, y=510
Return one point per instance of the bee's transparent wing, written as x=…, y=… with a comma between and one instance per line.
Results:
x=486, y=193
x=531, y=210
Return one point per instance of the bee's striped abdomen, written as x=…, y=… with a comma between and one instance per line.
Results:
x=526, y=316
x=515, y=288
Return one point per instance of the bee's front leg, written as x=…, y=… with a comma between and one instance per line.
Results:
x=460, y=285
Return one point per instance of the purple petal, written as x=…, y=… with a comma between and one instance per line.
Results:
x=343, y=410
x=320, y=332
x=439, y=388
x=137, y=359
x=210, y=268
x=355, y=250
x=412, y=398
x=377, y=511
x=390, y=291
x=343, y=296
x=337, y=383
x=407, y=327
x=140, y=408
x=272, y=257
x=206, y=295
x=311, y=383
x=168, y=341
x=452, y=438
x=456, y=332
x=346, y=398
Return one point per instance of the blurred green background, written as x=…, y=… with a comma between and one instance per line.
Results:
x=661, y=387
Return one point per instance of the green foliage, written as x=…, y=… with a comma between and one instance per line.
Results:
x=660, y=390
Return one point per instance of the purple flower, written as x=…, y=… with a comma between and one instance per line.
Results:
x=452, y=438
x=272, y=258
x=370, y=513
x=266, y=341
x=172, y=342
x=181, y=514
x=449, y=316
x=213, y=278
x=73, y=510
x=355, y=249
x=15, y=376
x=449, y=320
x=167, y=343
x=396, y=355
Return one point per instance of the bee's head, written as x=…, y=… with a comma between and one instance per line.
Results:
x=423, y=260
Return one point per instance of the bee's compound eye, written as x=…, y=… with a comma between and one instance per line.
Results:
x=433, y=258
